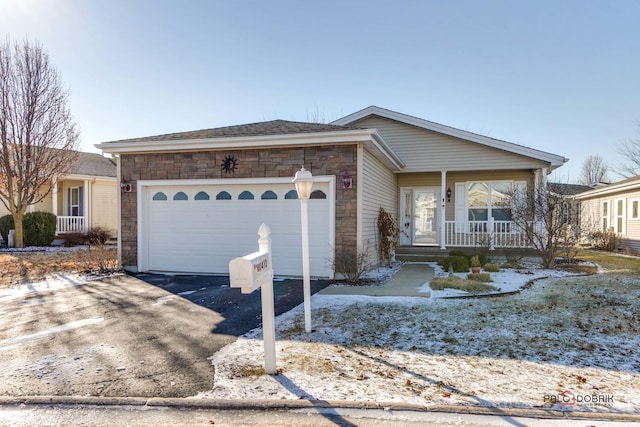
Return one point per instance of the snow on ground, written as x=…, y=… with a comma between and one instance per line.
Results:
x=506, y=280
x=565, y=342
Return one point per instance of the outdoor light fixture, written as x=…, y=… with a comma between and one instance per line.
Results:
x=303, y=182
x=347, y=182
x=125, y=186
x=449, y=194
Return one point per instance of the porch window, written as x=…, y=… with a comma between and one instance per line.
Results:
x=490, y=199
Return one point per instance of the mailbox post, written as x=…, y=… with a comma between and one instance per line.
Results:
x=254, y=271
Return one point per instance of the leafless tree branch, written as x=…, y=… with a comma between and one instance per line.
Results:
x=38, y=136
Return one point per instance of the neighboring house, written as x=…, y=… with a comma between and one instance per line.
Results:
x=84, y=197
x=198, y=197
x=570, y=209
x=614, y=207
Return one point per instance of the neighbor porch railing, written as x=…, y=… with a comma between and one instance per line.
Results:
x=491, y=234
x=71, y=224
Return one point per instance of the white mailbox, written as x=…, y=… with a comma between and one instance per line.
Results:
x=250, y=272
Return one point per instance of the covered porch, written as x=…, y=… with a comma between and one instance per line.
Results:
x=465, y=209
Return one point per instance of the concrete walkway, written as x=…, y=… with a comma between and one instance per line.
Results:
x=405, y=283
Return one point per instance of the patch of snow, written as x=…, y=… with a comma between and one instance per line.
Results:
x=561, y=336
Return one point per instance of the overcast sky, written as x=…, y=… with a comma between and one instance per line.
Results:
x=560, y=76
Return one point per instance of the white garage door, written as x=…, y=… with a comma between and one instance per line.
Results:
x=199, y=228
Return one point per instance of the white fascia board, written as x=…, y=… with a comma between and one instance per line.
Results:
x=260, y=141
x=87, y=177
x=609, y=189
x=227, y=181
x=552, y=159
x=383, y=152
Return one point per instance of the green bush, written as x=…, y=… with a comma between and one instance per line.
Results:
x=459, y=253
x=491, y=267
x=480, y=277
x=460, y=264
x=455, y=282
x=39, y=228
x=6, y=224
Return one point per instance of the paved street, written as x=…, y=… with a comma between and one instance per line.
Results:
x=85, y=415
x=121, y=336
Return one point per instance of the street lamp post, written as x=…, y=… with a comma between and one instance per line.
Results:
x=303, y=182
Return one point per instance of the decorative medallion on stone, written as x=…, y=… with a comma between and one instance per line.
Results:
x=229, y=164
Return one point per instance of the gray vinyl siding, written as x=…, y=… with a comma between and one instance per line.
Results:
x=378, y=190
x=424, y=150
x=592, y=216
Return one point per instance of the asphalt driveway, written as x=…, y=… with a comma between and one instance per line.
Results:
x=126, y=336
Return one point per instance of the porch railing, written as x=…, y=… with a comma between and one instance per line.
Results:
x=492, y=234
x=71, y=224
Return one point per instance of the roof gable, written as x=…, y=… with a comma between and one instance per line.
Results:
x=553, y=159
x=629, y=184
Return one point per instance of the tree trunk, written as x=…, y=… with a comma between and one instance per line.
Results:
x=19, y=236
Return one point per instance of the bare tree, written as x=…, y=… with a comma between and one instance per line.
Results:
x=630, y=152
x=594, y=169
x=37, y=134
x=541, y=215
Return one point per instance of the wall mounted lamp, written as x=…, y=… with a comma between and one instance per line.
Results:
x=347, y=181
x=449, y=194
x=125, y=186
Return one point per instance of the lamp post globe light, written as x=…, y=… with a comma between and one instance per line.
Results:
x=303, y=181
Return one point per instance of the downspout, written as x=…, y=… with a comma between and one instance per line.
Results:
x=118, y=208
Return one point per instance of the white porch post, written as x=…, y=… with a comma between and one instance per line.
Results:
x=443, y=205
x=85, y=201
x=54, y=197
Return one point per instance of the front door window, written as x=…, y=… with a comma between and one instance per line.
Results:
x=419, y=216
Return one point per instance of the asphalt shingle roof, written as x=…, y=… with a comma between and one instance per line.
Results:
x=273, y=127
x=93, y=164
x=568, y=189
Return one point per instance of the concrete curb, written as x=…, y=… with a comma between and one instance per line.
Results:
x=237, y=404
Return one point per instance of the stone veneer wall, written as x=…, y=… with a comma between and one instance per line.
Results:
x=260, y=163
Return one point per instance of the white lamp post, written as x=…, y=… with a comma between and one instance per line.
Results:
x=303, y=182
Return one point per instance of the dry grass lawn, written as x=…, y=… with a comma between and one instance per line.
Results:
x=22, y=267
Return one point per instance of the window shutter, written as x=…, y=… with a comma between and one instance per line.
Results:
x=80, y=207
x=460, y=198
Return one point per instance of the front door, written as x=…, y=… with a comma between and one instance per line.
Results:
x=419, y=216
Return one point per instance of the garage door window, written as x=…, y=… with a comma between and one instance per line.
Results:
x=269, y=195
x=180, y=196
x=246, y=195
x=318, y=194
x=202, y=196
x=223, y=195
x=292, y=194
x=159, y=196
